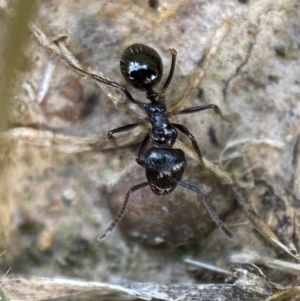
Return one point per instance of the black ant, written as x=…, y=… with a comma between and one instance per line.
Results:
x=142, y=68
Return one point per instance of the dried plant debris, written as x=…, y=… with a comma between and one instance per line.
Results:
x=276, y=264
x=292, y=252
x=35, y=289
x=288, y=294
x=249, y=284
x=57, y=46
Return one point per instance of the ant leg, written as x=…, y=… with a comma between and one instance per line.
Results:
x=109, y=83
x=127, y=127
x=119, y=216
x=171, y=73
x=185, y=131
x=141, y=149
x=197, y=109
x=214, y=216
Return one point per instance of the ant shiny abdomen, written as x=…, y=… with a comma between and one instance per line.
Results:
x=142, y=68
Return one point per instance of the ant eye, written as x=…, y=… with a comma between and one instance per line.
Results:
x=141, y=66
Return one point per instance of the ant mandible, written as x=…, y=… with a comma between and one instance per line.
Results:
x=142, y=68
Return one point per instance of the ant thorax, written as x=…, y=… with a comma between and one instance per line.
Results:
x=163, y=133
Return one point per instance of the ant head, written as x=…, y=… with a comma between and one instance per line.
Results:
x=141, y=66
x=164, y=166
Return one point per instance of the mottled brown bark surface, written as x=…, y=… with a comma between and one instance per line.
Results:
x=62, y=180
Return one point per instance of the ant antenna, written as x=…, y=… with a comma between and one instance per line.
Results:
x=119, y=216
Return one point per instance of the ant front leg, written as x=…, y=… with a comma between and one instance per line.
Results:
x=127, y=127
x=195, y=145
